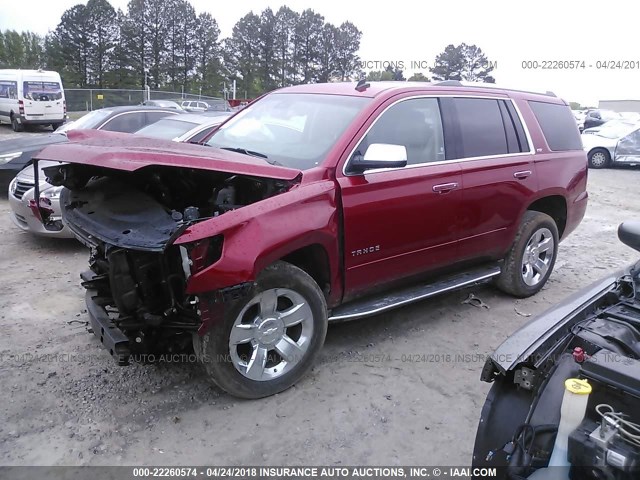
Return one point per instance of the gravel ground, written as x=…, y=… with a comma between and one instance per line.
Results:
x=363, y=403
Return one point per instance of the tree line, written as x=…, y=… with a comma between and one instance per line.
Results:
x=95, y=45
x=172, y=47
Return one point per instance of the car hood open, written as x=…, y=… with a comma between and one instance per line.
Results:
x=122, y=151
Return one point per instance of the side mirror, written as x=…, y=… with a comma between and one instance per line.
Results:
x=380, y=155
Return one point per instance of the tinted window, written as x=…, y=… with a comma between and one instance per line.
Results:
x=481, y=127
x=126, y=122
x=558, y=126
x=415, y=124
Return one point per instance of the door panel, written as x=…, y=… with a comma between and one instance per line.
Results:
x=401, y=222
x=395, y=225
x=497, y=172
x=495, y=191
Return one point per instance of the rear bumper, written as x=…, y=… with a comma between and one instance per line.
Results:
x=41, y=119
x=110, y=336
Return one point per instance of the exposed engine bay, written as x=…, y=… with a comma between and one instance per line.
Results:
x=521, y=418
x=145, y=208
x=136, y=288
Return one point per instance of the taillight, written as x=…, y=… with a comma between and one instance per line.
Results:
x=204, y=253
x=21, y=107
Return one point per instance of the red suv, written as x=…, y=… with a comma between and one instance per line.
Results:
x=316, y=203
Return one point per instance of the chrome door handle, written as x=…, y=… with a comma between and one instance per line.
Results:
x=445, y=187
x=522, y=175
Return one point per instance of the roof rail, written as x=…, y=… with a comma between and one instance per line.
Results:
x=458, y=83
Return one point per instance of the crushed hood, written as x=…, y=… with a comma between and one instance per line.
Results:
x=123, y=151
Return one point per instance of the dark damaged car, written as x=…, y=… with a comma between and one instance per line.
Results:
x=565, y=400
x=316, y=203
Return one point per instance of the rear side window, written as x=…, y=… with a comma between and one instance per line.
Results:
x=126, y=122
x=481, y=127
x=558, y=125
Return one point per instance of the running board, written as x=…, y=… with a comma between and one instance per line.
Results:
x=374, y=305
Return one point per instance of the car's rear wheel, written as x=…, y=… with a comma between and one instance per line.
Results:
x=17, y=126
x=599, y=158
x=56, y=126
x=266, y=341
x=532, y=256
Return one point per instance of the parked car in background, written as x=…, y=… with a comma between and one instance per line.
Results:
x=597, y=117
x=162, y=103
x=616, y=143
x=15, y=154
x=188, y=127
x=579, y=115
x=611, y=123
x=31, y=97
x=566, y=387
x=303, y=211
x=194, y=106
x=630, y=116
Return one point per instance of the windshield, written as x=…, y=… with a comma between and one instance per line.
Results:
x=41, y=91
x=615, y=129
x=294, y=130
x=166, y=128
x=89, y=121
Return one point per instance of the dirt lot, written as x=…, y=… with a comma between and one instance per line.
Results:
x=63, y=401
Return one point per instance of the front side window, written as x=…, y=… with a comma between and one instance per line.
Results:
x=41, y=91
x=481, y=127
x=415, y=124
x=291, y=129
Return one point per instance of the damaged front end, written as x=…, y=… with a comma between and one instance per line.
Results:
x=138, y=294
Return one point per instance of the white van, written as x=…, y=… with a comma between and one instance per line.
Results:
x=31, y=97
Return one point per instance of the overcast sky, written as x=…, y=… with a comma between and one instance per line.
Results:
x=407, y=31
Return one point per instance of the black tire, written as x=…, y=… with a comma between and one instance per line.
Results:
x=602, y=158
x=56, y=126
x=512, y=278
x=214, y=349
x=17, y=127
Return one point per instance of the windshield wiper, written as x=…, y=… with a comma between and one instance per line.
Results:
x=245, y=151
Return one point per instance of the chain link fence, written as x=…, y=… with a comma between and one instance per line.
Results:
x=88, y=99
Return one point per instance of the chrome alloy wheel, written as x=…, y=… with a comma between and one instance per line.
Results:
x=598, y=159
x=271, y=334
x=537, y=257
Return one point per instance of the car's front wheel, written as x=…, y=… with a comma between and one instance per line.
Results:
x=599, y=158
x=532, y=256
x=268, y=340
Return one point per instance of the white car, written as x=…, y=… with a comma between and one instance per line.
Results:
x=180, y=128
x=618, y=143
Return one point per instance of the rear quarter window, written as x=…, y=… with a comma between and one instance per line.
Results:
x=558, y=126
